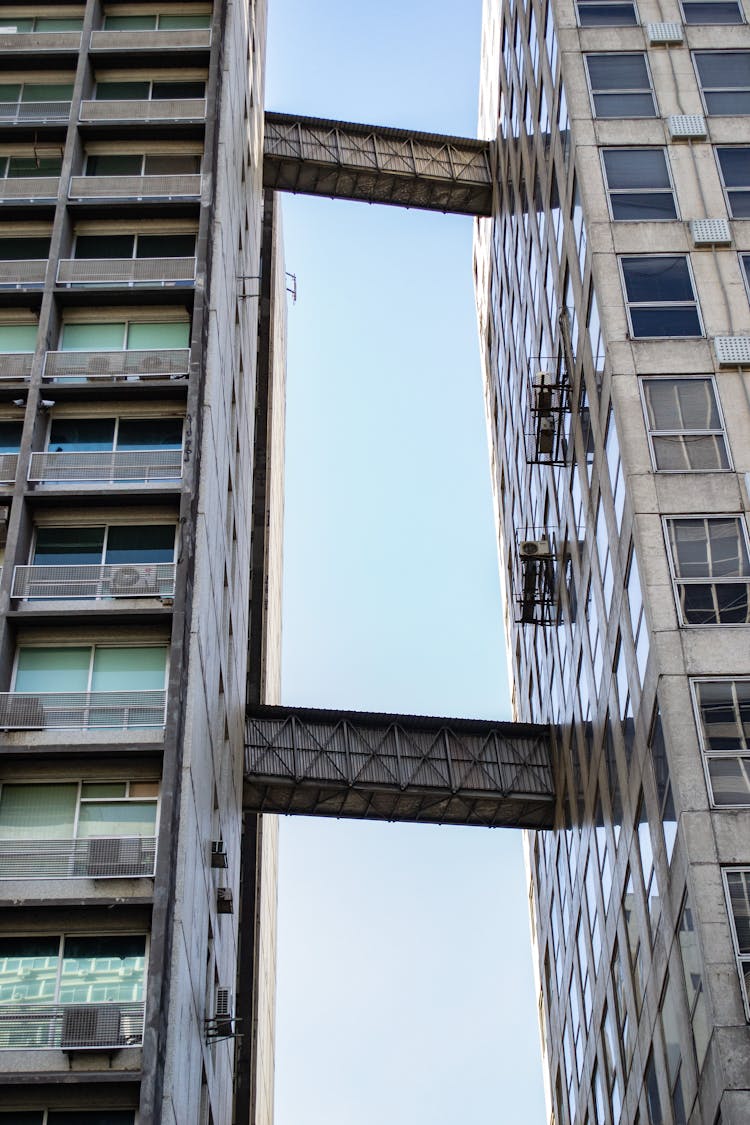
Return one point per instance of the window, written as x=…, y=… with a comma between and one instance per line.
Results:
x=712, y=11
x=734, y=165
x=620, y=85
x=606, y=13
x=10, y=437
x=73, y=969
x=12, y=167
x=724, y=78
x=136, y=245
x=68, y=1117
x=145, y=90
x=77, y=810
x=91, y=668
x=638, y=184
x=13, y=93
x=76, y=435
x=143, y=164
x=123, y=335
x=737, y=884
x=24, y=249
x=41, y=23
x=692, y=968
x=660, y=296
x=722, y=714
x=119, y=544
x=16, y=338
x=711, y=569
x=685, y=427
x=157, y=22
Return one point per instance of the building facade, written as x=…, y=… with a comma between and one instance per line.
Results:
x=613, y=303
x=134, y=381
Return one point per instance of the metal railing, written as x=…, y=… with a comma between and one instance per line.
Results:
x=135, y=187
x=8, y=467
x=129, y=580
x=12, y=112
x=158, y=109
x=110, y=466
x=150, y=40
x=127, y=271
x=71, y=1026
x=118, y=857
x=81, y=710
x=79, y=367
x=15, y=366
x=29, y=188
x=22, y=273
x=39, y=40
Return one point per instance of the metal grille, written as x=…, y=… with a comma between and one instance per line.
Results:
x=732, y=351
x=11, y=112
x=29, y=187
x=160, y=109
x=40, y=41
x=662, y=33
x=71, y=1026
x=167, y=363
x=386, y=767
x=8, y=467
x=135, y=187
x=81, y=710
x=133, y=580
x=711, y=232
x=687, y=126
x=109, y=465
x=150, y=40
x=15, y=366
x=22, y=273
x=115, y=271
x=96, y=858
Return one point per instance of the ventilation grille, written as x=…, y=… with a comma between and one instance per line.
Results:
x=732, y=351
x=663, y=33
x=710, y=232
x=687, y=126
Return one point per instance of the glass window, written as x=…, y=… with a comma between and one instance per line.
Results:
x=16, y=166
x=145, y=543
x=620, y=85
x=738, y=894
x=709, y=555
x=52, y=669
x=122, y=91
x=44, y=812
x=114, y=164
x=165, y=246
x=638, y=184
x=722, y=709
x=724, y=78
x=76, y=435
x=136, y=668
x=692, y=967
x=129, y=23
x=17, y=338
x=89, y=1117
x=68, y=546
x=170, y=90
x=171, y=163
x=712, y=11
x=96, y=246
x=153, y=335
x=10, y=436
x=660, y=296
x=149, y=433
x=606, y=13
x=734, y=165
x=102, y=969
x=100, y=337
x=24, y=249
x=176, y=23
x=102, y=668
x=686, y=431
x=65, y=810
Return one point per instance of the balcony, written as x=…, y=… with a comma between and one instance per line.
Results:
x=34, y=113
x=15, y=367
x=80, y=367
x=110, y=466
x=135, y=187
x=168, y=40
x=103, y=272
x=29, y=189
x=22, y=274
x=131, y=109
x=130, y=580
x=18, y=42
x=8, y=467
x=81, y=710
x=71, y=1026
x=127, y=857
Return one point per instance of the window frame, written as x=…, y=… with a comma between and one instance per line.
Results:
x=62, y=937
x=117, y=419
x=718, y=149
x=638, y=191
x=606, y=4
x=713, y=23
x=718, y=89
x=741, y=959
x=621, y=258
x=707, y=754
x=707, y=580
x=617, y=90
x=709, y=377
x=80, y=799
x=92, y=646
x=106, y=525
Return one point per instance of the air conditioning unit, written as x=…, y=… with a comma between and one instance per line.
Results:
x=544, y=385
x=222, y=1021
x=224, y=901
x=87, y=1026
x=545, y=435
x=535, y=549
x=218, y=854
x=134, y=581
x=22, y=712
x=112, y=858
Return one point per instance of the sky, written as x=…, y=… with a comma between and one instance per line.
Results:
x=405, y=984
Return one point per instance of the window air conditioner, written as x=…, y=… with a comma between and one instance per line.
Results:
x=113, y=858
x=89, y=1026
x=546, y=435
x=223, y=1014
x=136, y=581
x=535, y=549
x=224, y=901
x=218, y=854
x=544, y=385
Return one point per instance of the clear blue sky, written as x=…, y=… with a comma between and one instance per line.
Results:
x=404, y=966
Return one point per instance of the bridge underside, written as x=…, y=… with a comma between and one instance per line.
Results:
x=398, y=768
x=313, y=156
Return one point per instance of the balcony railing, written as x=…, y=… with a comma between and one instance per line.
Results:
x=122, y=857
x=81, y=710
x=129, y=580
x=8, y=467
x=11, y=113
x=71, y=1026
x=125, y=271
x=29, y=188
x=111, y=466
x=158, y=109
x=19, y=41
x=22, y=273
x=79, y=367
x=135, y=187
x=150, y=40
x=15, y=367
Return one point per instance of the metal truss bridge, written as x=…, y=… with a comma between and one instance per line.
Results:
x=374, y=164
x=398, y=768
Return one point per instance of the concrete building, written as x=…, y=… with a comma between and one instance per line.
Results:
x=612, y=288
x=135, y=370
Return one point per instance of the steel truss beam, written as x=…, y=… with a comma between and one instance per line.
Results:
x=377, y=165
x=398, y=768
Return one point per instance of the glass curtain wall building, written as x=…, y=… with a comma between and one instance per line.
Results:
x=613, y=304
x=133, y=384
